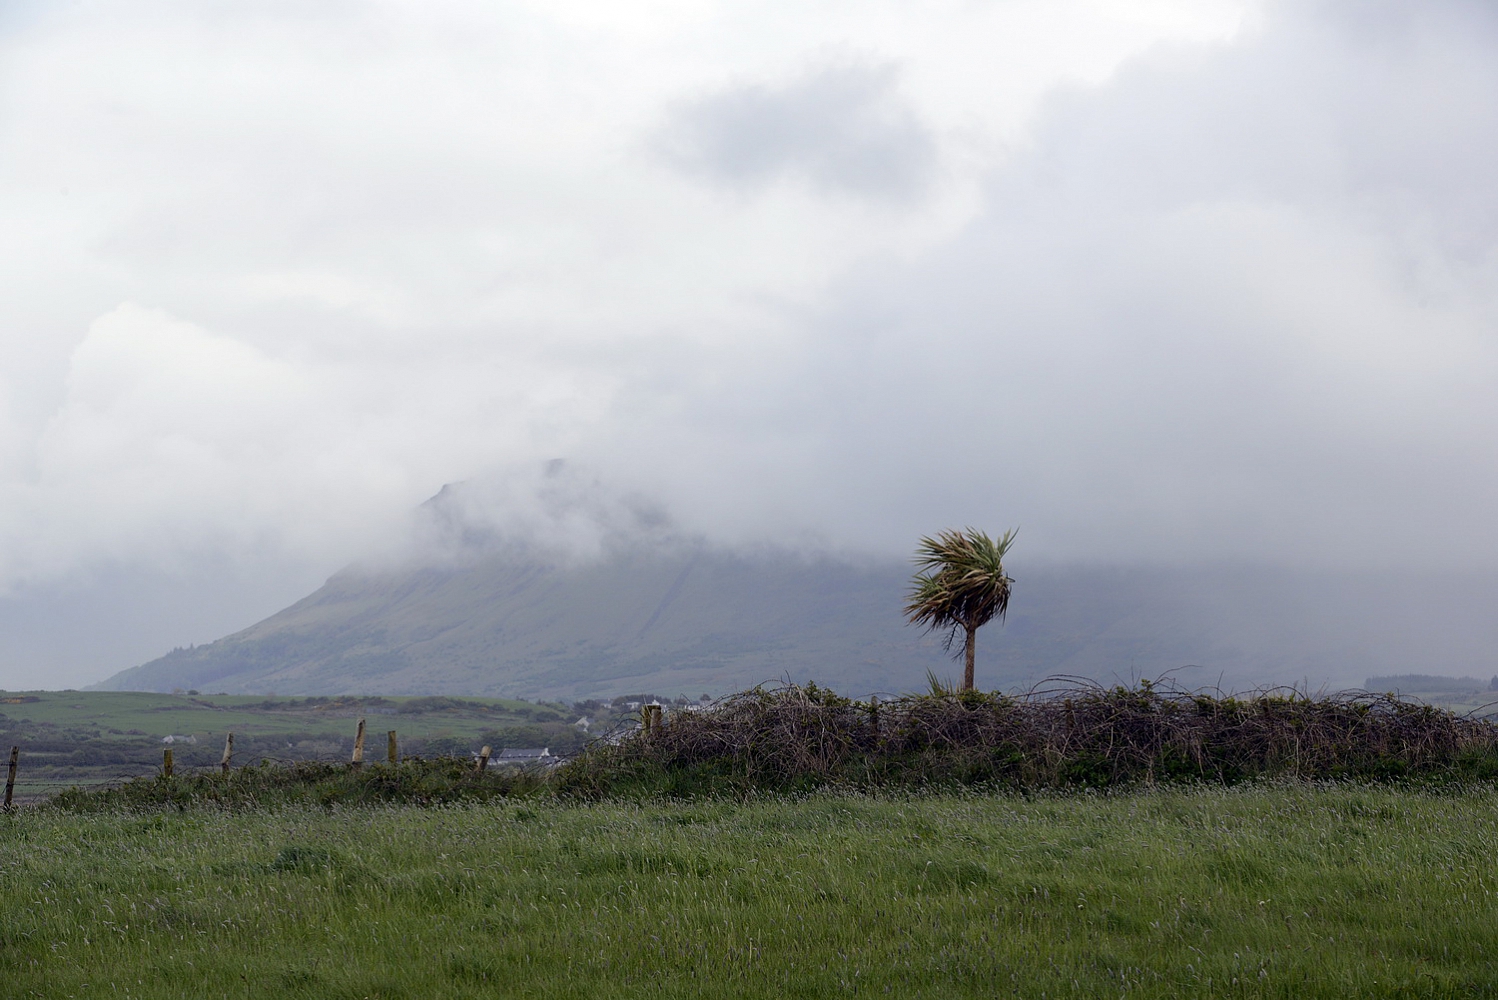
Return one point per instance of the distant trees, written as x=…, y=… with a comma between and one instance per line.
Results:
x=960, y=585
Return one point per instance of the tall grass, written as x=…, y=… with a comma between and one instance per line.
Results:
x=1262, y=891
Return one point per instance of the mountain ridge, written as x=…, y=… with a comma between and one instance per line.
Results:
x=703, y=620
x=549, y=585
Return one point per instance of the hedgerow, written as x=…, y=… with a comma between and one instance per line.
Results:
x=1065, y=734
x=1068, y=733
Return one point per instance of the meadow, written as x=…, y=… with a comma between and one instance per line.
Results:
x=93, y=738
x=1259, y=890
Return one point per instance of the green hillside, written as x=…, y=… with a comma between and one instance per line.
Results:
x=688, y=622
x=89, y=738
x=487, y=606
x=679, y=620
x=675, y=622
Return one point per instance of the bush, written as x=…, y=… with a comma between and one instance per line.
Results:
x=1062, y=735
x=413, y=781
x=793, y=739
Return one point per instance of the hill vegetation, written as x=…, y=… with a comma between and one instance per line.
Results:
x=563, y=590
x=90, y=738
x=685, y=622
x=795, y=739
x=726, y=852
x=1076, y=735
x=680, y=621
x=1421, y=684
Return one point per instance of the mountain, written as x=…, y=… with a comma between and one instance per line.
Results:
x=598, y=596
x=675, y=622
x=707, y=621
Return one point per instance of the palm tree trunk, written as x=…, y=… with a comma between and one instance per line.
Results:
x=970, y=654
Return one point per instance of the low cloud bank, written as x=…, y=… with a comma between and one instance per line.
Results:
x=1217, y=289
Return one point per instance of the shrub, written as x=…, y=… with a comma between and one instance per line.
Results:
x=1063, y=734
x=414, y=781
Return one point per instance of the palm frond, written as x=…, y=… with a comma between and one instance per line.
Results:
x=960, y=581
x=939, y=687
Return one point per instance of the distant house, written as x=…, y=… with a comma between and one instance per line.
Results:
x=521, y=756
x=179, y=739
x=620, y=733
x=583, y=723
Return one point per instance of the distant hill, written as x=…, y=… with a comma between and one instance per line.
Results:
x=635, y=607
x=1427, y=684
x=711, y=622
x=688, y=622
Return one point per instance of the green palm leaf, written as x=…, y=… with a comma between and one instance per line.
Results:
x=960, y=586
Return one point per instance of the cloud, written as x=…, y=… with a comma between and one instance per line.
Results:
x=550, y=512
x=1160, y=282
x=1234, y=304
x=169, y=439
x=378, y=249
x=842, y=129
x=178, y=446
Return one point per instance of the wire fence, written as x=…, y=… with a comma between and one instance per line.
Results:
x=38, y=775
x=43, y=773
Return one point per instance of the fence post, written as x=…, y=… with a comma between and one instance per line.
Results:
x=228, y=753
x=166, y=763
x=390, y=753
x=358, y=760
x=10, y=778
x=483, y=760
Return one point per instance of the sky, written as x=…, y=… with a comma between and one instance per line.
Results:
x=1157, y=282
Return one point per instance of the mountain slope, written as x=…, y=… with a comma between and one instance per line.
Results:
x=691, y=620
x=553, y=586
x=678, y=623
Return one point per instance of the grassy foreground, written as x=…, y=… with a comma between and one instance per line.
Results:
x=1284, y=891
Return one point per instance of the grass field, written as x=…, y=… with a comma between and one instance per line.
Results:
x=92, y=737
x=1280, y=890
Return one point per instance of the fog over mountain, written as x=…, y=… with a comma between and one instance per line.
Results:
x=1200, y=291
x=592, y=593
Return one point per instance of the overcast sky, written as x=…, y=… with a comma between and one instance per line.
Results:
x=1166, y=281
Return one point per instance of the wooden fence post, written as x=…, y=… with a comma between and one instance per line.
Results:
x=358, y=760
x=483, y=760
x=390, y=753
x=166, y=763
x=228, y=753
x=10, y=777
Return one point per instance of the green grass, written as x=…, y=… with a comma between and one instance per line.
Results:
x=90, y=738
x=1282, y=891
x=182, y=714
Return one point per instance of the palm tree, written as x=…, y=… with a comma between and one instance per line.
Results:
x=960, y=586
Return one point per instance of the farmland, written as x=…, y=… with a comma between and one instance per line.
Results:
x=787, y=842
x=1277, y=890
x=92, y=737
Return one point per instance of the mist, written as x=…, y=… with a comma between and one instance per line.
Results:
x=1205, y=289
